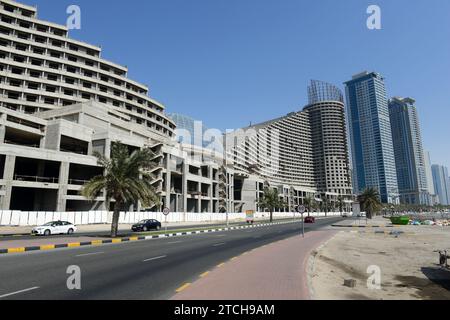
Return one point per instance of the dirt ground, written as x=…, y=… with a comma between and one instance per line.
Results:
x=409, y=267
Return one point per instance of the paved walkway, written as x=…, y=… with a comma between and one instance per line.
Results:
x=273, y=272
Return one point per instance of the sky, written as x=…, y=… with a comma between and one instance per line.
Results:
x=230, y=63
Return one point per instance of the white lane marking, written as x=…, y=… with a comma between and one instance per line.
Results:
x=89, y=254
x=221, y=235
x=17, y=292
x=174, y=242
x=155, y=258
x=219, y=244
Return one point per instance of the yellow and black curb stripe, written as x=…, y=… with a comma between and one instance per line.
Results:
x=130, y=239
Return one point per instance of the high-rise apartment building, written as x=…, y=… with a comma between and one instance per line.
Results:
x=429, y=175
x=371, y=138
x=408, y=150
x=303, y=154
x=441, y=184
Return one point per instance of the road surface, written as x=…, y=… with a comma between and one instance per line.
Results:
x=152, y=269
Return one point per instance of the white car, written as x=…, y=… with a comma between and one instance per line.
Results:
x=54, y=227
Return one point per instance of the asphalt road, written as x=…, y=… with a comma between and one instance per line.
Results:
x=152, y=269
x=122, y=233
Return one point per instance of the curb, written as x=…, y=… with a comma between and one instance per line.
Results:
x=352, y=226
x=130, y=239
x=15, y=235
x=390, y=233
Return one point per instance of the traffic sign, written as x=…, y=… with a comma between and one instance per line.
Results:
x=166, y=211
x=301, y=209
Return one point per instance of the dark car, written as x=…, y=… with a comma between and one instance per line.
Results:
x=146, y=225
x=310, y=220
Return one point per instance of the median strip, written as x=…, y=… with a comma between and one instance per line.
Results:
x=180, y=233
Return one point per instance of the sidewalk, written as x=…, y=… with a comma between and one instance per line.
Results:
x=273, y=272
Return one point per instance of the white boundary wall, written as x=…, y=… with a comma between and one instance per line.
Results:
x=24, y=218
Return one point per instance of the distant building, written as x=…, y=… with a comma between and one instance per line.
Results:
x=303, y=154
x=408, y=150
x=371, y=138
x=430, y=183
x=441, y=184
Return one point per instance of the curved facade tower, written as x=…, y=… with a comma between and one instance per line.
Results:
x=304, y=153
x=329, y=138
x=42, y=69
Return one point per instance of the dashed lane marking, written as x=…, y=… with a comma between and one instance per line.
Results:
x=18, y=292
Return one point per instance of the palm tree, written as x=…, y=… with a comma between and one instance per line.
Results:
x=370, y=202
x=309, y=204
x=325, y=205
x=271, y=201
x=340, y=203
x=124, y=180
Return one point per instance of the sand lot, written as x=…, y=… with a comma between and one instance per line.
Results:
x=409, y=267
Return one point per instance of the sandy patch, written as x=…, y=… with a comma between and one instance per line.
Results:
x=409, y=267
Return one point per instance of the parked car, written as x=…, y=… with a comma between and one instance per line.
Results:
x=54, y=227
x=310, y=220
x=146, y=225
x=361, y=215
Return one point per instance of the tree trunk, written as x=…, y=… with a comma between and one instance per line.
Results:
x=271, y=216
x=115, y=219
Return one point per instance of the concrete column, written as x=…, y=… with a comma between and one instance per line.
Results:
x=107, y=148
x=8, y=177
x=210, y=193
x=2, y=133
x=63, y=186
x=2, y=128
x=184, y=191
x=168, y=183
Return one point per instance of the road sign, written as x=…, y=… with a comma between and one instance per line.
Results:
x=166, y=211
x=301, y=209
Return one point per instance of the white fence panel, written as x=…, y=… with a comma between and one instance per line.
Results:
x=48, y=216
x=15, y=218
x=71, y=217
x=78, y=218
x=32, y=218
x=84, y=217
x=23, y=218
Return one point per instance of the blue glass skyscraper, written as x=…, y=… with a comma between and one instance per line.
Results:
x=371, y=137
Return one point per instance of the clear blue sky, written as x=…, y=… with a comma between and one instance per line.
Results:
x=229, y=62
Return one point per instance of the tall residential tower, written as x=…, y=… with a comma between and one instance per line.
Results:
x=441, y=184
x=371, y=137
x=408, y=150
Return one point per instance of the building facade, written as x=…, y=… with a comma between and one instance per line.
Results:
x=60, y=102
x=441, y=182
x=430, y=182
x=371, y=138
x=408, y=150
x=303, y=155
